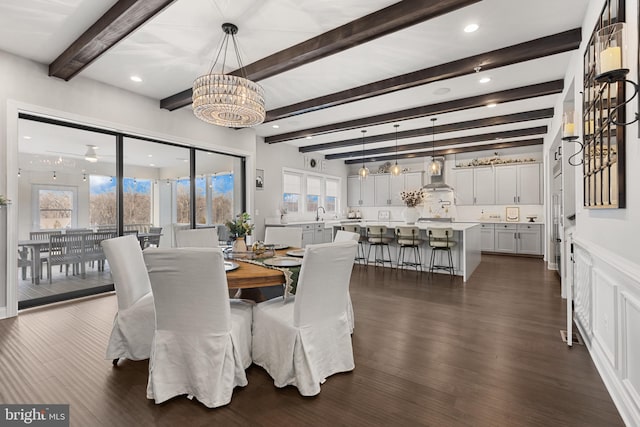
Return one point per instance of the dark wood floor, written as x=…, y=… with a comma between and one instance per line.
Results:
x=428, y=352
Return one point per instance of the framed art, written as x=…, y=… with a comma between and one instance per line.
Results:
x=513, y=214
x=259, y=179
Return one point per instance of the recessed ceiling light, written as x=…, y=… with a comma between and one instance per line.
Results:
x=309, y=137
x=485, y=80
x=149, y=155
x=275, y=126
x=441, y=91
x=492, y=105
x=136, y=79
x=471, y=28
x=151, y=164
x=26, y=137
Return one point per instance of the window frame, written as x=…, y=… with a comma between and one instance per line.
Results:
x=302, y=202
x=35, y=195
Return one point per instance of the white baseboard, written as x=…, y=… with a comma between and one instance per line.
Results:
x=3, y=312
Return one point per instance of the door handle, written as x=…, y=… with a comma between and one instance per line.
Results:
x=558, y=240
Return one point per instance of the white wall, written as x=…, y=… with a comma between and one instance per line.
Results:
x=272, y=158
x=606, y=266
x=25, y=86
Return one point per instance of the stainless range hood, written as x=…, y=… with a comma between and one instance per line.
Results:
x=437, y=181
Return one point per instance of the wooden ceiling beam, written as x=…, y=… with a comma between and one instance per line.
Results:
x=122, y=19
x=534, y=49
x=448, y=151
x=516, y=94
x=545, y=113
x=377, y=24
x=539, y=130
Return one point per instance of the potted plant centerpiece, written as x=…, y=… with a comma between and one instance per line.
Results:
x=412, y=199
x=4, y=201
x=240, y=228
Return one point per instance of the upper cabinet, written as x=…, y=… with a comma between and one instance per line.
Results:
x=518, y=184
x=381, y=189
x=474, y=186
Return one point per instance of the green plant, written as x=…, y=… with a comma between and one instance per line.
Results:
x=4, y=201
x=240, y=227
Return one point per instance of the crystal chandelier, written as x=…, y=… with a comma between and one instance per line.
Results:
x=225, y=99
x=364, y=171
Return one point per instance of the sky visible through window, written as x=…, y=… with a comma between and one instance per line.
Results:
x=106, y=184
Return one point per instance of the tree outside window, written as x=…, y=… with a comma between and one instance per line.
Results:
x=56, y=209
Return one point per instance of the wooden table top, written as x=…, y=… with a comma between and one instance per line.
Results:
x=255, y=276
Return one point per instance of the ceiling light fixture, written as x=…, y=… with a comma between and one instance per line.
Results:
x=364, y=171
x=84, y=177
x=485, y=80
x=395, y=169
x=26, y=137
x=309, y=137
x=225, y=99
x=19, y=172
x=54, y=175
x=471, y=28
x=136, y=79
x=275, y=126
x=491, y=105
x=435, y=168
x=90, y=155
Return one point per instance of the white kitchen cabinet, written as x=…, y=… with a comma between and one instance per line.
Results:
x=328, y=235
x=464, y=186
x=382, y=191
x=529, y=189
x=307, y=236
x=474, y=186
x=529, y=239
x=412, y=181
x=505, y=238
x=318, y=233
x=360, y=192
x=397, y=184
x=484, y=189
x=518, y=184
x=353, y=191
x=487, y=237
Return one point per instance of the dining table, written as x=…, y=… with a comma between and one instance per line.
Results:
x=35, y=246
x=249, y=277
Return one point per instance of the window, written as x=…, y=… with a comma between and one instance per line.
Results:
x=56, y=207
x=102, y=200
x=304, y=193
x=291, y=192
x=222, y=188
x=137, y=201
x=331, y=195
x=314, y=193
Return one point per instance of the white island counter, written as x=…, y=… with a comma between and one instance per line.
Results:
x=466, y=254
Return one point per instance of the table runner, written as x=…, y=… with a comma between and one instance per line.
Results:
x=290, y=274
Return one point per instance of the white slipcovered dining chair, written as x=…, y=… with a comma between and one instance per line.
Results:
x=134, y=322
x=305, y=339
x=202, y=342
x=198, y=238
x=343, y=236
x=290, y=236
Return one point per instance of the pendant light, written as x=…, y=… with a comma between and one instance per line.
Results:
x=435, y=168
x=395, y=169
x=364, y=171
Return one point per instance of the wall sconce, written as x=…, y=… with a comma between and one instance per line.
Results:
x=611, y=62
x=569, y=133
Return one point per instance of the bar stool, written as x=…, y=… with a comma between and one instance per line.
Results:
x=379, y=240
x=409, y=237
x=440, y=239
x=354, y=228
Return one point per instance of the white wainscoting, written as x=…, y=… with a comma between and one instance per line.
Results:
x=607, y=314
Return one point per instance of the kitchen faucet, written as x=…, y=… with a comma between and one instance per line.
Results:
x=318, y=212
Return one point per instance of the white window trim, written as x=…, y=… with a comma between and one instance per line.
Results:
x=35, y=201
x=302, y=214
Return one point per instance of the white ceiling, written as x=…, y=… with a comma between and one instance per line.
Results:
x=179, y=44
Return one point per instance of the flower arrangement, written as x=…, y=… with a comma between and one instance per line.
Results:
x=4, y=201
x=412, y=198
x=240, y=227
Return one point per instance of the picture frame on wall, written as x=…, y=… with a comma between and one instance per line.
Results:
x=512, y=214
x=259, y=179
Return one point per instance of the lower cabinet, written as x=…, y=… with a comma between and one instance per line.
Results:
x=518, y=239
x=487, y=237
x=315, y=233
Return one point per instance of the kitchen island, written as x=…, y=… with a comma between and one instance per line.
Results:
x=466, y=254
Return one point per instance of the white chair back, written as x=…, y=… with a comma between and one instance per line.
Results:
x=291, y=236
x=189, y=290
x=128, y=270
x=198, y=238
x=342, y=236
x=323, y=284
